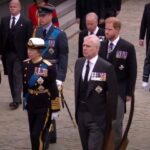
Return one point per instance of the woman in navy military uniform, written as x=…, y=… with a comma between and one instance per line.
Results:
x=39, y=91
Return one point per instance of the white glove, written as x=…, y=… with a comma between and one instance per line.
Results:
x=59, y=85
x=146, y=86
x=54, y=115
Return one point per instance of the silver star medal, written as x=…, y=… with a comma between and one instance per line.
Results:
x=51, y=51
x=98, y=89
x=121, y=67
x=41, y=88
x=40, y=80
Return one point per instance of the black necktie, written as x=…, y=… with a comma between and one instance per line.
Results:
x=13, y=22
x=87, y=72
x=44, y=33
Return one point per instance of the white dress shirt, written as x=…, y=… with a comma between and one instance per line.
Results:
x=92, y=63
x=114, y=42
x=95, y=31
x=16, y=19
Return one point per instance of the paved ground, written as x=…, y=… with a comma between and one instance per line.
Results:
x=14, y=134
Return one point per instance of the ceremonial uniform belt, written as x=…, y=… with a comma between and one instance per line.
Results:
x=36, y=91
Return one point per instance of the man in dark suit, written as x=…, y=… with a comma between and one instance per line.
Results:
x=14, y=32
x=145, y=27
x=56, y=50
x=121, y=54
x=83, y=7
x=92, y=28
x=95, y=95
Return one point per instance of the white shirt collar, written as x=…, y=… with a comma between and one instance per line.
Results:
x=115, y=41
x=95, y=31
x=93, y=60
x=48, y=27
x=16, y=17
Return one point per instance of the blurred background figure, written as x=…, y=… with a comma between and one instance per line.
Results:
x=145, y=27
x=14, y=34
x=146, y=71
x=83, y=7
x=33, y=13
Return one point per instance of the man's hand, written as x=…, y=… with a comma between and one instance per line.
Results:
x=54, y=115
x=141, y=42
x=128, y=98
x=146, y=86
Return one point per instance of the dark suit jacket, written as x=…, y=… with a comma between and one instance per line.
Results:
x=83, y=34
x=145, y=25
x=111, y=7
x=22, y=32
x=60, y=46
x=84, y=7
x=123, y=58
x=105, y=102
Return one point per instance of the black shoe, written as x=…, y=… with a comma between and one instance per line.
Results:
x=13, y=105
x=52, y=141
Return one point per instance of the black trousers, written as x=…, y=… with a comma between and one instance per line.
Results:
x=37, y=127
x=14, y=70
x=91, y=134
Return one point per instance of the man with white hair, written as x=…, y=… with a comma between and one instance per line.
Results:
x=95, y=95
x=91, y=28
x=14, y=34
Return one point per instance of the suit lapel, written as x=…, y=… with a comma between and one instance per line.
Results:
x=117, y=47
x=8, y=23
x=78, y=74
x=103, y=49
x=19, y=23
x=49, y=32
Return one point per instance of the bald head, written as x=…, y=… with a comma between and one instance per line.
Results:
x=14, y=7
x=91, y=21
x=91, y=46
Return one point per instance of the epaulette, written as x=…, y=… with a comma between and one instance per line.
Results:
x=26, y=60
x=58, y=28
x=47, y=62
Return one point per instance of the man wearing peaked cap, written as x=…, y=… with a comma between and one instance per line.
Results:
x=56, y=50
x=40, y=92
x=32, y=13
x=42, y=10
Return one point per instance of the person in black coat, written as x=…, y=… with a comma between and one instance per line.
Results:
x=112, y=9
x=121, y=54
x=145, y=27
x=146, y=71
x=14, y=34
x=92, y=28
x=95, y=95
x=40, y=92
x=83, y=7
